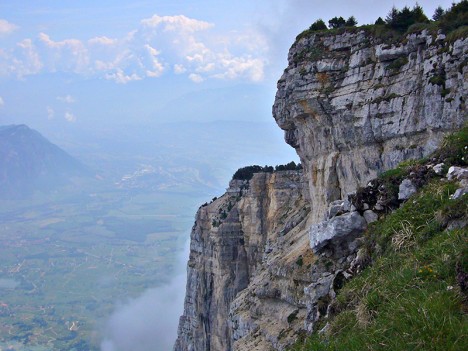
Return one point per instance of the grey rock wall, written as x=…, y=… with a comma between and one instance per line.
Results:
x=267, y=257
x=353, y=107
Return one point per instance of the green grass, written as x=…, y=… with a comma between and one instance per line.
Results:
x=408, y=298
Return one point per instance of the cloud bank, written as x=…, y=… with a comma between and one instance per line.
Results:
x=149, y=322
x=159, y=45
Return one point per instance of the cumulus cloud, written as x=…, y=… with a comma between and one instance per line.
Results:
x=149, y=322
x=26, y=60
x=188, y=45
x=172, y=23
x=242, y=66
x=67, y=99
x=70, y=117
x=120, y=77
x=67, y=55
x=105, y=41
x=179, y=69
x=156, y=67
x=196, y=78
x=7, y=27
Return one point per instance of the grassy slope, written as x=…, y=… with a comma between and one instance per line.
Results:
x=410, y=297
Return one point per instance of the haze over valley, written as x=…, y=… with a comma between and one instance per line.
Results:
x=118, y=121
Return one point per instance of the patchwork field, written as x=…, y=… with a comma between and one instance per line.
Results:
x=67, y=260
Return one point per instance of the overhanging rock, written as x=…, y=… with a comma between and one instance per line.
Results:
x=340, y=227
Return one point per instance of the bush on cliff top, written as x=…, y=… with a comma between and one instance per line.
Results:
x=246, y=173
x=402, y=22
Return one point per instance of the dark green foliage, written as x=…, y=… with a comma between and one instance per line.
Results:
x=318, y=25
x=380, y=21
x=291, y=166
x=454, y=151
x=246, y=173
x=292, y=316
x=438, y=80
x=337, y=22
x=401, y=20
x=351, y=22
x=438, y=13
x=398, y=23
x=398, y=63
x=300, y=261
x=455, y=18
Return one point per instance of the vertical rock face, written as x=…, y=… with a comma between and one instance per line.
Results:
x=233, y=239
x=267, y=256
x=353, y=107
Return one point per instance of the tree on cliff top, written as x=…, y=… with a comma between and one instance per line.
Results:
x=401, y=20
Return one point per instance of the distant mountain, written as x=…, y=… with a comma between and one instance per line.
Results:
x=29, y=162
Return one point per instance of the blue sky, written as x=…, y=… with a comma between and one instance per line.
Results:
x=88, y=62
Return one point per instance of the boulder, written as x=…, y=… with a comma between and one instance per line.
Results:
x=406, y=189
x=457, y=173
x=370, y=216
x=340, y=227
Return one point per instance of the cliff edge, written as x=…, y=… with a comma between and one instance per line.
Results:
x=267, y=256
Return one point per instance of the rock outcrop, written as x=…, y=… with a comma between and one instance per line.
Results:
x=352, y=106
x=247, y=243
x=269, y=255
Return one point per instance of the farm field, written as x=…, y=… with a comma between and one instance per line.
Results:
x=67, y=260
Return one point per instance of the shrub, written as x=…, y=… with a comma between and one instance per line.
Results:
x=401, y=20
x=438, y=13
x=318, y=25
x=337, y=22
x=351, y=22
x=398, y=63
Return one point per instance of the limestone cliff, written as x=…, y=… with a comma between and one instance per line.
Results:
x=352, y=107
x=256, y=230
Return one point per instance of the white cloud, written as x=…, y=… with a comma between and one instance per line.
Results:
x=50, y=112
x=67, y=99
x=105, y=41
x=186, y=45
x=206, y=68
x=196, y=78
x=7, y=27
x=179, y=69
x=172, y=23
x=66, y=55
x=156, y=67
x=149, y=322
x=2, y=102
x=70, y=117
x=27, y=60
x=241, y=67
x=120, y=77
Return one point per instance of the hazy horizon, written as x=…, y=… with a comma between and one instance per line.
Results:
x=174, y=96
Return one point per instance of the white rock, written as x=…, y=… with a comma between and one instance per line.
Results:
x=438, y=168
x=459, y=193
x=370, y=216
x=457, y=173
x=338, y=227
x=406, y=189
